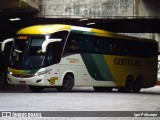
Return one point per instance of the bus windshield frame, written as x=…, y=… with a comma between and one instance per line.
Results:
x=26, y=52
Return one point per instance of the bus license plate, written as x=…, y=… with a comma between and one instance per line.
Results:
x=22, y=82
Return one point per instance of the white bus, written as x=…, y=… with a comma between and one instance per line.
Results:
x=64, y=56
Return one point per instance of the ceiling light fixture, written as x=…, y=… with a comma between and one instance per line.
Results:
x=14, y=19
x=83, y=19
x=91, y=23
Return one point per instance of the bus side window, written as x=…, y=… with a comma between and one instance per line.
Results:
x=112, y=47
x=88, y=44
x=98, y=45
x=73, y=43
x=50, y=54
x=107, y=47
x=60, y=35
x=53, y=56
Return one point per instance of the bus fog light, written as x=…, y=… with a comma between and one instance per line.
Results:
x=38, y=81
x=9, y=80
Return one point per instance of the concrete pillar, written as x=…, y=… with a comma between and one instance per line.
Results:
x=149, y=8
x=34, y=3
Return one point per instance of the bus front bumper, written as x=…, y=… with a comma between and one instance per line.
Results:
x=35, y=80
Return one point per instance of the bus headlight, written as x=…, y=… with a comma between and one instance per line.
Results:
x=10, y=73
x=42, y=72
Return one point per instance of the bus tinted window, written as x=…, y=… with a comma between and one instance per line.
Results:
x=129, y=48
x=88, y=44
x=93, y=44
x=60, y=35
x=98, y=44
x=111, y=46
x=74, y=43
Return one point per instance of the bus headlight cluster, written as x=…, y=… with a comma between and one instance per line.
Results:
x=42, y=72
x=10, y=73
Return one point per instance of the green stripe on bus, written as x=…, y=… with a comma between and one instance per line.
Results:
x=30, y=71
x=91, y=66
x=82, y=32
x=97, y=67
x=102, y=67
x=88, y=33
x=76, y=31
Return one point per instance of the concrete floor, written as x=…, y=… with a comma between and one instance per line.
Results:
x=82, y=99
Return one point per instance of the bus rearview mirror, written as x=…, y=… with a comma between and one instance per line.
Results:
x=48, y=41
x=5, y=42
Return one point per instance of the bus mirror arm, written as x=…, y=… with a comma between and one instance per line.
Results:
x=4, y=43
x=48, y=41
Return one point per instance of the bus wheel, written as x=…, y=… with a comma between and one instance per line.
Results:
x=99, y=89
x=137, y=85
x=128, y=85
x=68, y=83
x=36, y=88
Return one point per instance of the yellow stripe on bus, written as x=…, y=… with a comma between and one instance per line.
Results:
x=43, y=29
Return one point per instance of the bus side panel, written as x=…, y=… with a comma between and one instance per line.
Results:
x=102, y=68
x=87, y=72
x=107, y=70
x=121, y=67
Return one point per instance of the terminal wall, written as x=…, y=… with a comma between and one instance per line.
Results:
x=130, y=9
x=87, y=8
x=100, y=8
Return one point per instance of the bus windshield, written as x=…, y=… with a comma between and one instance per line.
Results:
x=26, y=52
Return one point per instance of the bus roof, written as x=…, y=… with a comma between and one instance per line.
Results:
x=51, y=28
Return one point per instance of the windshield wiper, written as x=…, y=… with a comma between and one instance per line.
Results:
x=18, y=51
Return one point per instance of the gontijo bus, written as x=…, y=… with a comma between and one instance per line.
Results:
x=64, y=56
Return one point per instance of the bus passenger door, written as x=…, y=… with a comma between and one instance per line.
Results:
x=52, y=58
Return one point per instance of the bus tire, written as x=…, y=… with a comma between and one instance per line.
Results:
x=137, y=85
x=128, y=85
x=68, y=83
x=36, y=88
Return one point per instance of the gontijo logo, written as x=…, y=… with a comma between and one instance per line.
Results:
x=127, y=62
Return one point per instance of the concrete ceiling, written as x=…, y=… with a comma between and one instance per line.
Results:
x=17, y=8
x=116, y=25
